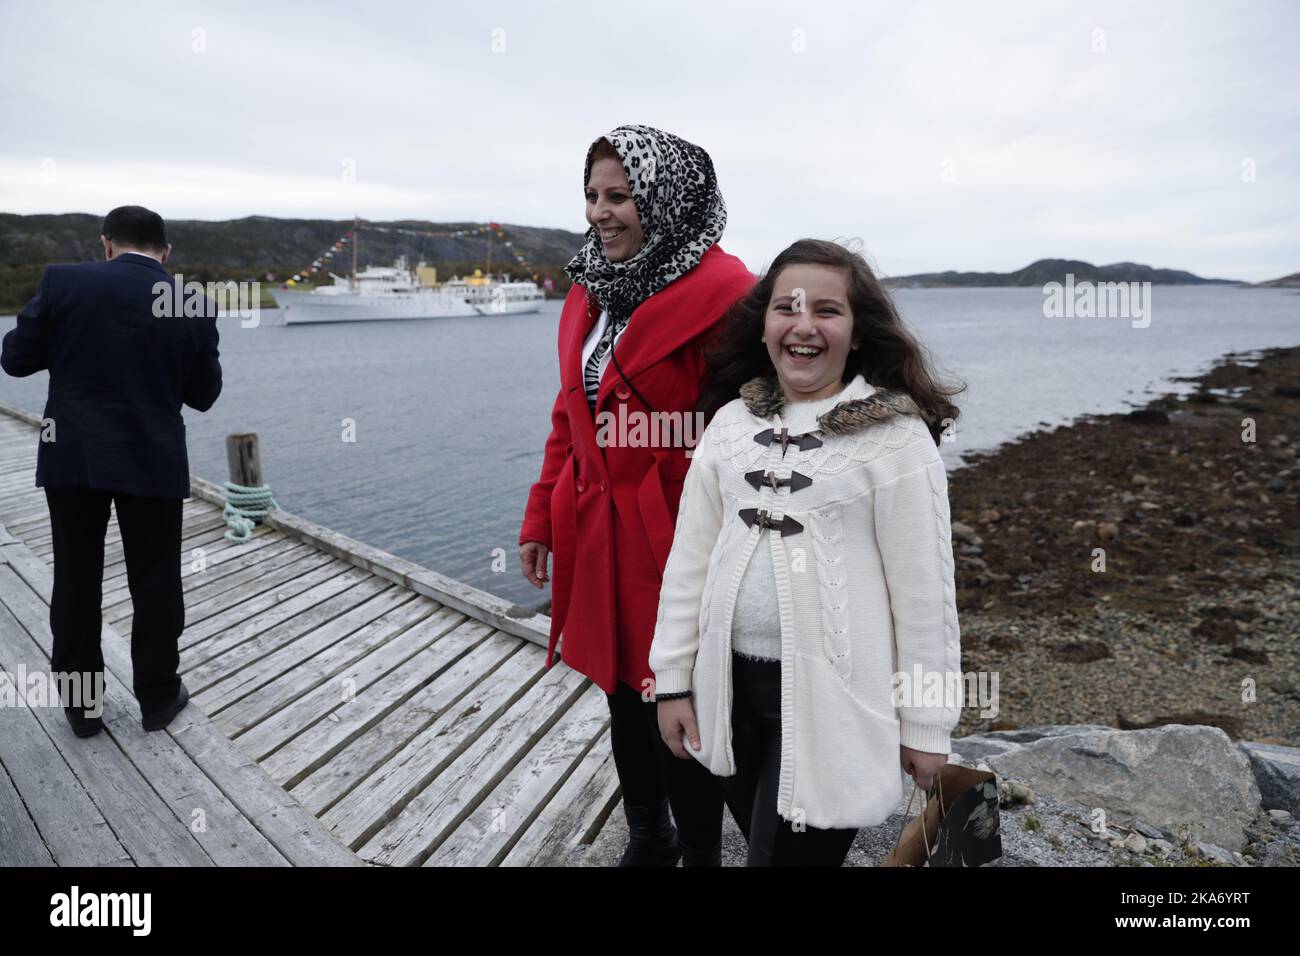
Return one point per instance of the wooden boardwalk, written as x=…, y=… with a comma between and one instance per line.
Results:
x=347, y=706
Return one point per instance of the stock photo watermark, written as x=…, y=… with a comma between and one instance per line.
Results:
x=181, y=299
x=1100, y=300
x=82, y=690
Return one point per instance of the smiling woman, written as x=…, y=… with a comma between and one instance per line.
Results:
x=611, y=210
x=650, y=286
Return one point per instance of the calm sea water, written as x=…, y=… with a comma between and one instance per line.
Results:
x=451, y=414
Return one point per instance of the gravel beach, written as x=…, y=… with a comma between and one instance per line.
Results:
x=1193, y=617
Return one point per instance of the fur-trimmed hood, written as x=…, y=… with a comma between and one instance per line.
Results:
x=764, y=398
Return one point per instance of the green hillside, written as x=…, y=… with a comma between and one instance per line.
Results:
x=249, y=248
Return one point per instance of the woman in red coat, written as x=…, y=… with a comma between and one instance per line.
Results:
x=650, y=287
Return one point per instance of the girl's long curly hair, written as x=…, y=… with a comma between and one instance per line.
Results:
x=888, y=356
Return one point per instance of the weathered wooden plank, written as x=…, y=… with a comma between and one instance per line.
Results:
x=435, y=812
x=364, y=786
x=115, y=550
x=19, y=452
x=232, y=697
x=309, y=675
x=19, y=469
x=115, y=555
x=212, y=589
x=276, y=651
x=295, y=832
x=13, y=411
x=20, y=841
x=221, y=613
x=214, y=546
x=146, y=826
x=313, y=728
x=24, y=438
x=275, y=663
x=22, y=444
x=36, y=530
x=469, y=600
x=575, y=815
x=216, y=575
x=39, y=536
x=25, y=510
x=494, y=672
x=19, y=455
x=275, y=613
x=215, y=823
x=18, y=465
x=486, y=835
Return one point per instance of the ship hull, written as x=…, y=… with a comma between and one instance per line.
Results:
x=311, y=308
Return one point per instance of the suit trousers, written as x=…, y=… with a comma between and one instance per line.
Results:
x=751, y=792
x=151, y=543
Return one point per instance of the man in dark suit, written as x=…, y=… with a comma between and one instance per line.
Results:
x=120, y=368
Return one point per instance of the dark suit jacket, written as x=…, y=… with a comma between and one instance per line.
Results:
x=118, y=376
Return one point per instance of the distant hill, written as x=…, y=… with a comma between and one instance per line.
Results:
x=1286, y=282
x=249, y=248
x=1054, y=270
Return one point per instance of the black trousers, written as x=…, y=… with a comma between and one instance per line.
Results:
x=151, y=540
x=751, y=792
x=648, y=771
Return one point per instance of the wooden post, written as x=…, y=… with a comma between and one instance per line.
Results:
x=244, y=458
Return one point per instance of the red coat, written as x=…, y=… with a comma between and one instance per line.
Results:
x=608, y=514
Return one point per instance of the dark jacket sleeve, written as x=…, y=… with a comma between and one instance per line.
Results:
x=203, y=384
x=26, y=346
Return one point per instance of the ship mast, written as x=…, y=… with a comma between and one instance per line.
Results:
x=356, y=234
x=488, y=272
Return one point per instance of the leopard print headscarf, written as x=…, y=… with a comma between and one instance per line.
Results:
x=682, y=215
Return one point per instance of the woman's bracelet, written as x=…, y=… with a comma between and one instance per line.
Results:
x=680, y=693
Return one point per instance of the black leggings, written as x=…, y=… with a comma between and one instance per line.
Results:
x=751, y=792
x=648, y=771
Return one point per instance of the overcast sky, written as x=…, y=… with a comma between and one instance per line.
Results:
x=964, y=135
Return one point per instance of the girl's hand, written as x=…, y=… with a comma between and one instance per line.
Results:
x=677, y=716
x=532, y=561
x=921, y=766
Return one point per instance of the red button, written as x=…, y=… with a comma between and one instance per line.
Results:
x=623, y=392
x=602, y=487
x=582, y=484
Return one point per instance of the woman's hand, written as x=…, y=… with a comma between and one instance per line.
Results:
x=921, y=766
x=532, y=561
x=677, y=717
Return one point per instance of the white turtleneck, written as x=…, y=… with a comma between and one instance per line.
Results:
x=756, y=622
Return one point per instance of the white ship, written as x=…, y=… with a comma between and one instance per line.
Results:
x=398, y=292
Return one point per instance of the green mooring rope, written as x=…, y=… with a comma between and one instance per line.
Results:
x=245, y=506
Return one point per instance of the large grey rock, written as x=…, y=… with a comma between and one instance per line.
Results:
x=1277, y=773
x=1169, y=776
x=1151, y=780
x=976, y=747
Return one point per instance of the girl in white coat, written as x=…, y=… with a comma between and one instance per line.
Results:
x=807, y=648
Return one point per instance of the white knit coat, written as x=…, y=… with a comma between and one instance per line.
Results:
x=865, y=590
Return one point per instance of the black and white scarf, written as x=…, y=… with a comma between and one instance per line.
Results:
x=682, y=214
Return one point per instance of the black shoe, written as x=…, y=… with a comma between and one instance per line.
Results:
x=652, y=838
x=82, y=725
x=164, y=717
x=708, y=856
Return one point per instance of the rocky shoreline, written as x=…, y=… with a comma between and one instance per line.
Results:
x=1195, y=617
x=1084, y=795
